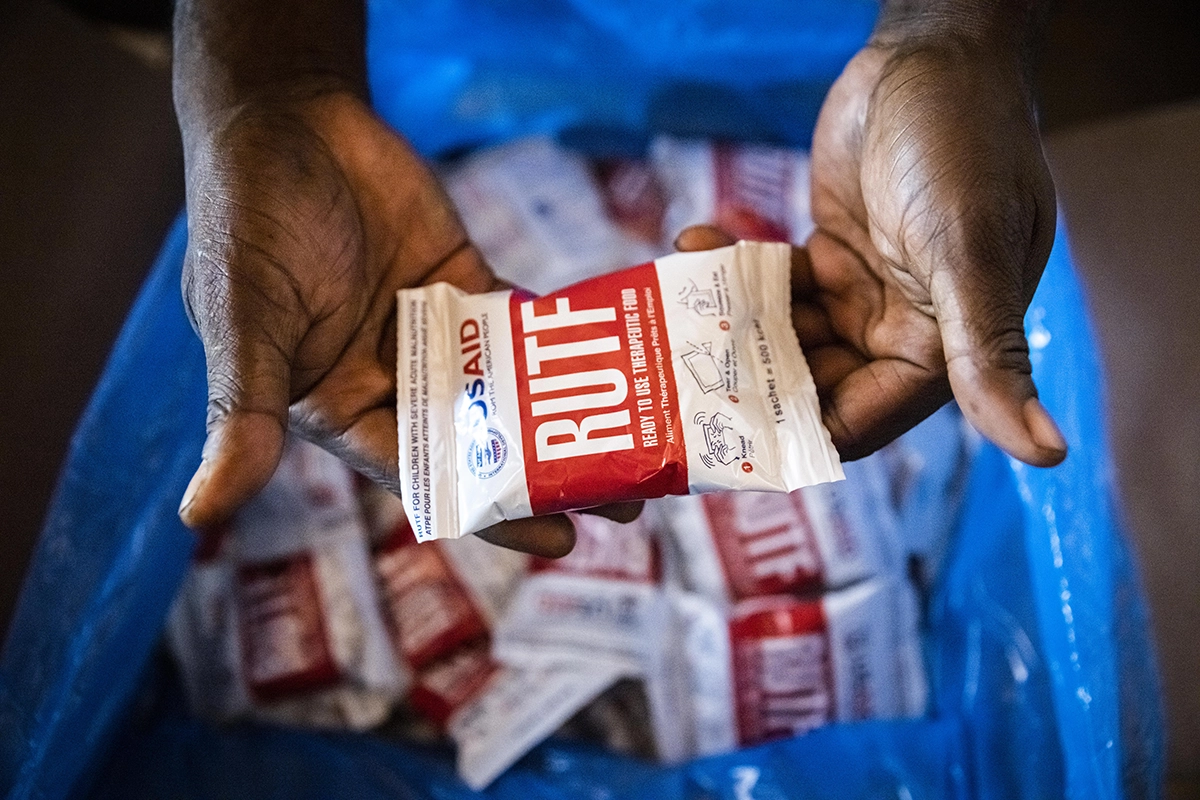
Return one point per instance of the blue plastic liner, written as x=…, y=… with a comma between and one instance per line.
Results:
x=1042, y=670
x=462, y=73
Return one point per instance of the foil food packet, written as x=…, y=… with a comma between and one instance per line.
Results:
x=678, y=376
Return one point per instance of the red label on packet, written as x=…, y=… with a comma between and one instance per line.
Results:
x=683, y=375
x=753, y=188
x=428, y=609
x=766, y=542
x=284, y=641
x=599, y=401
x=782, y=672
x=596, y=605
x=633, y=197
x=447, y=685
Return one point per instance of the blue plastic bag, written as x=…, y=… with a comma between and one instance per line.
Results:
x=1041, y=666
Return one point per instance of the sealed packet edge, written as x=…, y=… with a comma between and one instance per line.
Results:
x=415, y=356
x=800, y=465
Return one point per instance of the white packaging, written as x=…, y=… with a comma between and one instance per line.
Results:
x=444, y=600
x=594, y=605
x=282, y=623
x=429, y=609
x=536, y=214
x=751, y=191
x=202, y=634
x=491, y=573
x=438, y=598
x=679, y=376
x=518, y=709
x=688, y=679
x=781, y=666
x=634, y=199
x=736, y=545
x=448, y=685
x=495, y=713
x=310, y=499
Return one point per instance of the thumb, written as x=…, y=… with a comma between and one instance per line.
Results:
x=980, y=313
x=248, y=396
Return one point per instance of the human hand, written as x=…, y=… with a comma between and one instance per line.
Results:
x=935, y=215
x=305, y=216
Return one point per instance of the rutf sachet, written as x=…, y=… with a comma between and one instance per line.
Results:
x=679, y=376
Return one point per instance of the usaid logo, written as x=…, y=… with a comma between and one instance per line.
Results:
x=487, y=454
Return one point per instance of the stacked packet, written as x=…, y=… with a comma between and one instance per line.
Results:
x=712, y=622
x=788, y=612
x=279, y=619
x=442, y=601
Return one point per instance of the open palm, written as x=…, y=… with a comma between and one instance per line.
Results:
x=305, y=218
x=935, y=215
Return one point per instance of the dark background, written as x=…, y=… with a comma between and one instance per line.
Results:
x=91, y=175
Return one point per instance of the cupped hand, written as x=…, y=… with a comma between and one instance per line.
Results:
x=305, y=216
x=935, y=215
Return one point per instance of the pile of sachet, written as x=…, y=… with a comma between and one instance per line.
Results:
x=711, y=623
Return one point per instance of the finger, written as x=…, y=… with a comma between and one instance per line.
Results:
x=710, y=237
x=370, y=445
x=812, y=325
x=465, y=268
x=247, y=413
x=352, y=411
x=874, y=402
x=853, y=298
x=702, y=237
x=549, y=537
x=804, y=285
x=617, y=512
x=830, y=365
x=248, y=365
x=980, y=314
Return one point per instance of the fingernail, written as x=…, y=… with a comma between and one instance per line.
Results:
x=193, y=487
x=1042, y=426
